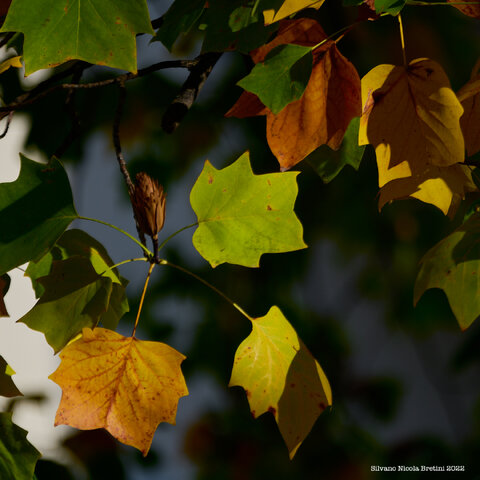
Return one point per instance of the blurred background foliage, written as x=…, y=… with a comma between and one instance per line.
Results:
x=395, y=370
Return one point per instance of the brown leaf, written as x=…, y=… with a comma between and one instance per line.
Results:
x=330, y=101
x=469, y=96
x=470, y=10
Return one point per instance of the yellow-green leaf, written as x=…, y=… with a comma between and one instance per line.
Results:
x=125, y=385
x=11, y=62
x=289, y=7
x=281, y=376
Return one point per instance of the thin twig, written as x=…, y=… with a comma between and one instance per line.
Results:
x=189, y=91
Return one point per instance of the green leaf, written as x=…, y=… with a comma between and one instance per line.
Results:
x=281, y=376
x=453, y=265
x=4, y=286
x=7, y=387
x=78, y=243
x=242, y=215
x=329, y=163
x=281, y=78
x=57, y=31
x=17, y=455
x=392, y=7
x=180, y=18
x=35, y=209
x=223, y=30
x=75, y=297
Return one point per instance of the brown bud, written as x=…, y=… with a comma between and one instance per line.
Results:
x=149, y=204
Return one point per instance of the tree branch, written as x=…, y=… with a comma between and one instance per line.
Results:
x=177, y=110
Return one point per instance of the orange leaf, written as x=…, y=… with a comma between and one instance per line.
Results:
x=330, y=101
x=125, y=385
x=470, y=10
x=469, y=96
x=411, y=114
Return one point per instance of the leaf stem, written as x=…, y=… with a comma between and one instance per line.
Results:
x=144, y=248
x=209, y=285
x=150, y=269
x=142, y=259
x=176, y=233
x=402, y=39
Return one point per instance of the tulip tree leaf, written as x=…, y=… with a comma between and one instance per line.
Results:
x=7, y=387
x=288, y=67
x=77, y=242
x=17, y=455
x=75, y=297
x=329, y=163
x=392, y=7
x=453, y=265
x=242, y=215
x=282, y=377
x=35, y=210
x=57, y=31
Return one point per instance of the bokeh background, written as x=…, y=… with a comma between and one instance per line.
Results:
x=405, y=380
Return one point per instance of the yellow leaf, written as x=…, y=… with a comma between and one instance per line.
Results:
x=282, y=377
x=469, y=96
x=443, y=187
x=125, y=385
x=411, y=114
x=288, y=8
x=11, y=62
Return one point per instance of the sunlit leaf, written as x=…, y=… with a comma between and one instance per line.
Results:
x=75, y=297
x=11, y=62
x=17, y=455
x=125, y=385
x=289, y=7
x=56, y=31
x=281, y=376
x=242, y=216
x=453, y=265
x=7, y=387
x=35, y=210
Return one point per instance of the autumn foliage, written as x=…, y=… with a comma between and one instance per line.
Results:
x=422, y=132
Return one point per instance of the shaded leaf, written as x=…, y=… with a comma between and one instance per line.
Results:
x=392, y=7
x=75, y=297
x=35, y=209
x=180, y=18
x=4, y=286
x=330, y=101
x=11, y=62
x=7, y=387
x=281, y=78
x=444, y=187
x=76, y=242
x=96, y=32
x=125, y=385
x=470, y=10
x=411, y=115
x=281, y=376
x=17, y=455
x=469, y=96
x=289, y=7
x=223, y=32
x=242, y=216
x=453, y=265
x=329, y=163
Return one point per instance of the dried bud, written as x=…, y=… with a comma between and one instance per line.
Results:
x=149, y=204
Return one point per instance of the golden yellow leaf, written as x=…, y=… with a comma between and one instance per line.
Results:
x=469, y=96
x=11, y=62
x=125, y=385
x=281, y=376
x=443, y=187
x=288, y=8
x=330, y=101
x=411, y=114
